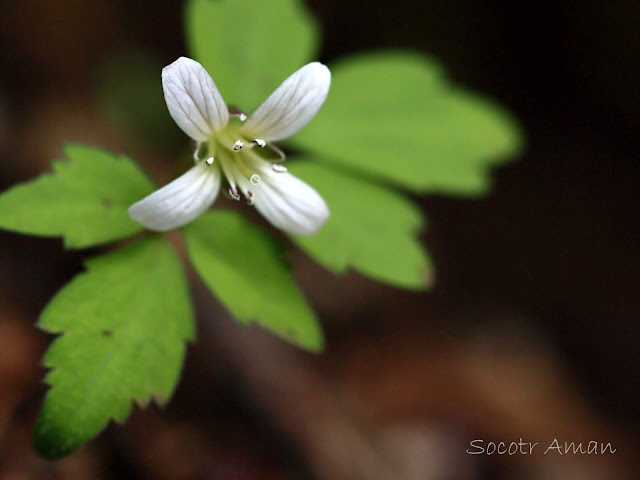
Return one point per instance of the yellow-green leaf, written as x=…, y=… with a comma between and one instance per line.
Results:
x=394, y=116
x=123, y=328
x=244, y=267
x=371, y=229
x=84, y=200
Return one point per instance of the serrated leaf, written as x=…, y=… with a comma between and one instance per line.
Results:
x=124, y=324
x=244, y=267
x=371, y=229
x=249, y=47
x=84, y=200
x=395, y=116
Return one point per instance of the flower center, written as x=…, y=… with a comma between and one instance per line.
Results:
x=237, y=154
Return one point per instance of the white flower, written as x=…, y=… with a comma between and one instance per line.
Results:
x=229, y=143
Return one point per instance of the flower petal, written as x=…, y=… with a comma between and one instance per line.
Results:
x=193, y=99
x=289, y=203
x=179, y=202
x=292, y=105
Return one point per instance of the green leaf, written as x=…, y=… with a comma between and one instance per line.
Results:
x=250, y=47
x=395, y=117
x=123, y=326
x=244, y=267
x=85, y=199
x=371, y=229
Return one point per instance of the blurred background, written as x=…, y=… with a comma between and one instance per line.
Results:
x=530, y=332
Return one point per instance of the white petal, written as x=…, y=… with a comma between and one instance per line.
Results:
x=289, y=203
x=193, y=99
x=292, y=105
x=179, y=202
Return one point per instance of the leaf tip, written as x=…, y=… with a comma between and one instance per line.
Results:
x=312, y=343
x=49, y=441
x=318, y=348
x=159, y=398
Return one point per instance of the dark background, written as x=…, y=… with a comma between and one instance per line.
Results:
x=537, y=283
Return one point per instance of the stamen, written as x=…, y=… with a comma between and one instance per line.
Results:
x=236, y=113
x=238, y=145
x=258, y=141
x=234, y=193
x=276, y=167
x=255, y=179
x=196, y=152
x=280, y=153
x=209, y=161
x=249, y=197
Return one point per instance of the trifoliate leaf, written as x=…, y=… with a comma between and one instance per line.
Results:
x=249, y=47
x=371, y=229
x=244, y=267
x=123, y=325
x=396, y=117
x=85, y=199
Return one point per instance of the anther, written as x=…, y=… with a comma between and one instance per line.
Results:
x=255, y=179
x=238, y=145
x=276, y=167
x=234, y=194
x=209, y=161
x=261, y=143
x=249, y=197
